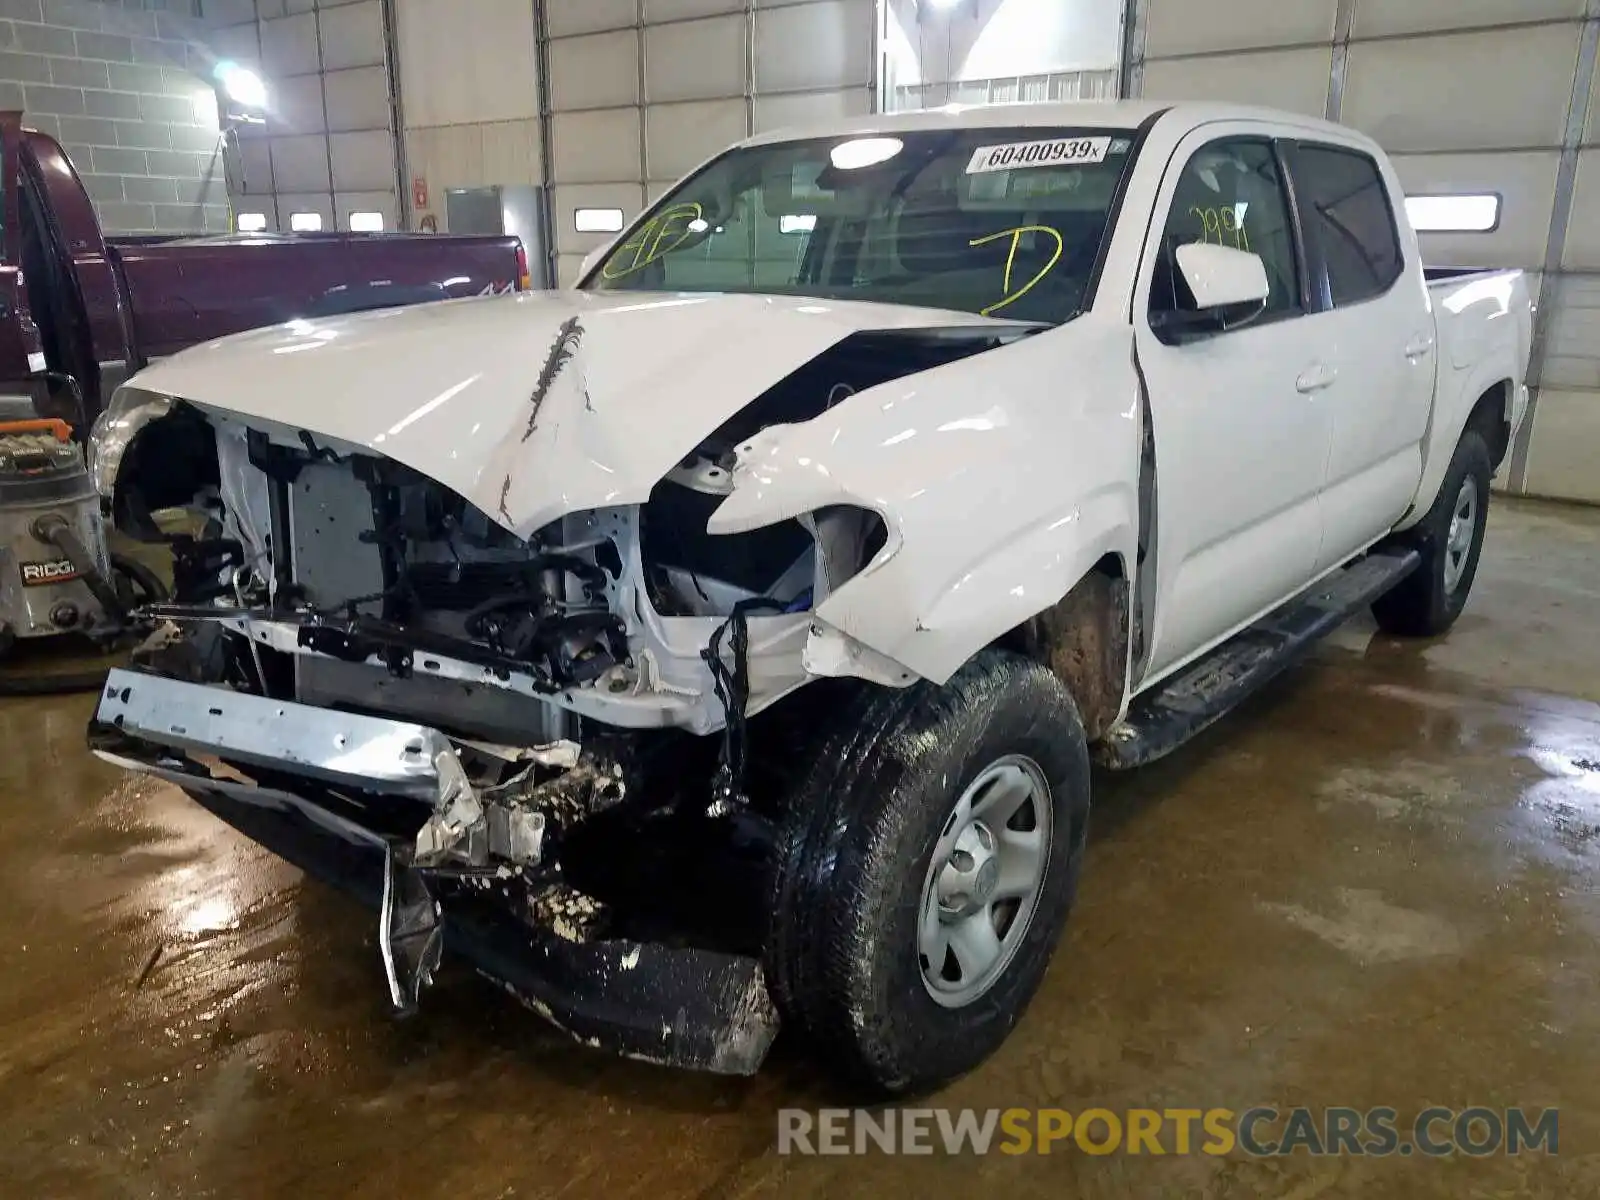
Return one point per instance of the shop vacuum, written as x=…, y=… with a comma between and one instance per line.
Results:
x=58, y=579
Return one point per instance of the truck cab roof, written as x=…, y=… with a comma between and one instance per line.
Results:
x=1099, y=114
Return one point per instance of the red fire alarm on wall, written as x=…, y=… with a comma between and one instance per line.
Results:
x=419, y=192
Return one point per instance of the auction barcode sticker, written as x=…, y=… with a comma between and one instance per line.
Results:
x=1056, y=152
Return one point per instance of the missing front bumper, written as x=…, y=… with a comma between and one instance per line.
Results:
x=285, y=774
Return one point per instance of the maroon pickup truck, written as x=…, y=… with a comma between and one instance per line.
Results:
x=80, y=312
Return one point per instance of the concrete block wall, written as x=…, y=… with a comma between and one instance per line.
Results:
x=123, y=85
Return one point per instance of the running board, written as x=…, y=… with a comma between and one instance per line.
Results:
x=1161, y=720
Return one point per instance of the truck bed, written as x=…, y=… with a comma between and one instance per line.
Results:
x=191, y=289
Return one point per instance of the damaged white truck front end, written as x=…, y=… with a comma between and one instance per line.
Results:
x=493, y=595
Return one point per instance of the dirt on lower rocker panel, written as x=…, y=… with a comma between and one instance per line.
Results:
x=387, y=811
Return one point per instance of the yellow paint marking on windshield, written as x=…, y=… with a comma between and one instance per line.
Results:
x=1015, y=234
x=646, y=241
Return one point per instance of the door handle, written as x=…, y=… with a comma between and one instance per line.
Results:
x=1315, y=379
x=1419, y=347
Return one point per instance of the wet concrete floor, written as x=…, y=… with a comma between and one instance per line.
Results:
x=1374, y=886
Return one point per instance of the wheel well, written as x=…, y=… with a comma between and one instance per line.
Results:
x=1489, y=420
x=1083, y=639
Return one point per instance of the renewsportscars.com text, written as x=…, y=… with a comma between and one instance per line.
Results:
x=1259, y=1132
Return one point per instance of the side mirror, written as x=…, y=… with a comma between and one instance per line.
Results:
x=1222, y=277
x=1220, y=288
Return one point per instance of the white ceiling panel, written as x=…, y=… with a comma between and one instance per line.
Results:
x=822, y=45
x=629, y=197
x=567, y=17
x=677, y=10
x=596, y=147
x=679, y=137
x=1475, y=91
x=485, y=70
x=300, y=164
x=352, y=35
x=1561, y=454
x=289, y=45
x=1293, y=79
x=812, y=108
x=1386, y=17
x=362, y=162
x=695, y=60
x=1185, y=27
x=1526, y=184
x=595, y=71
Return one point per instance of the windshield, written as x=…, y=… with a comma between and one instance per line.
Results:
x=1001, y=222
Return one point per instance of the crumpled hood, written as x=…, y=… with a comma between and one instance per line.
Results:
x=534, y=405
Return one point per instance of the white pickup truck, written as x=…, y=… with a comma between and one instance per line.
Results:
x=728, y=640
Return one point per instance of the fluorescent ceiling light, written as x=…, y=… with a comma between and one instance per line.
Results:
x=1466, y=212
x=366, y=222
x=250, y=222
x=797, y=223
x=865, y=152
x=305, y=222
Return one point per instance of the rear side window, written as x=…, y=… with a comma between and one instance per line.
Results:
x=1349, y=223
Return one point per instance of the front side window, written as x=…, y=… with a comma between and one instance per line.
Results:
x=998, y=222
x=1231, y=194
x=1349, y=225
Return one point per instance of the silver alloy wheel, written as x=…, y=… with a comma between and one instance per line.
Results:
x=983, y=884
x=1463, y=530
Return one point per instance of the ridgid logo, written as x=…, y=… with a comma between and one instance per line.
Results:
x=1260, y=1132
x=36, y=574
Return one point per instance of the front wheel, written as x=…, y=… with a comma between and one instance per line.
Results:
x=927, y=862
x=1450, y=539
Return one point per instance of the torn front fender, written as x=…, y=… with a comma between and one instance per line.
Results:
x=1002, y=480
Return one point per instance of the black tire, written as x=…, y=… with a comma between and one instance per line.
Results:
x=1423, y=604
x=855, y=847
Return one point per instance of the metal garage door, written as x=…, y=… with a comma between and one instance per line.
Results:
x=641, y=91
x=328, y=150
x=1473, y=98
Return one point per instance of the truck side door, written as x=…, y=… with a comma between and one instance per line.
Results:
x=1373, y=318
x=1241, y=421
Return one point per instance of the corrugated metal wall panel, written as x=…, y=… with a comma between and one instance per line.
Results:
x=326, y=67
x=1501, y=90
x=1188, y=28
x=1293, y=79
